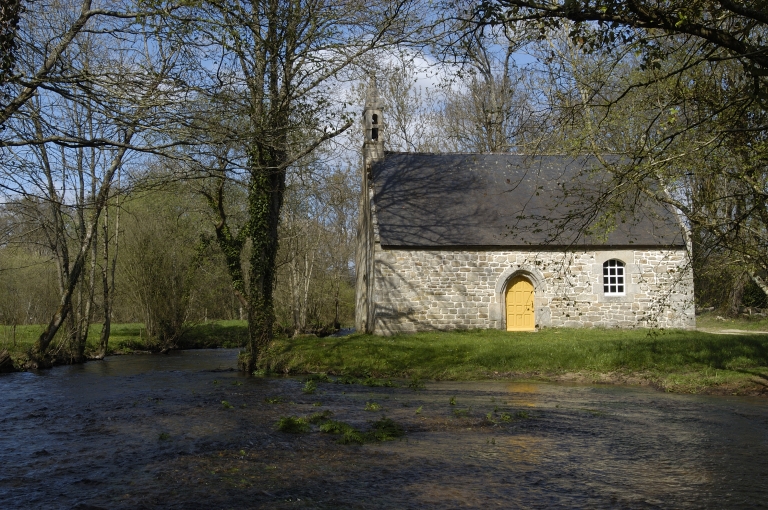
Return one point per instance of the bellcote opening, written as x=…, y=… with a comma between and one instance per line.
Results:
x=374, y=130
x=373, y=120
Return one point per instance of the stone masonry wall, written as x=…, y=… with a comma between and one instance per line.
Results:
x=419, y=290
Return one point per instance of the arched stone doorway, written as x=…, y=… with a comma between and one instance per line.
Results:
x=519, y=305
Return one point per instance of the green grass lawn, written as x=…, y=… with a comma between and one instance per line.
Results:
x=714, y=321
x=129, y=337
x=680, y=361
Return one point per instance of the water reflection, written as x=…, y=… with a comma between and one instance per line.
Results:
x=523, y=394
x=153, y=432
x=524, y=448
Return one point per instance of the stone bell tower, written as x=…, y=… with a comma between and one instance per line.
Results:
x=373, y=150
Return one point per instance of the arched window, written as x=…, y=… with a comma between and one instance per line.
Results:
x=613, y=278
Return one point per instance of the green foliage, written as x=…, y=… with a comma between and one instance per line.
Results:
x=416, y=384
x=10, y=13
x=274, y=400
x=505, y=417
x=386, y=430
x=713, y=321
x=383, y=429
x=214, y=334
x=226, y=405
x=347, y=379
x=754, y=296
x=309, y=387
x=349, y=434
x=28, y=290
x=372, y=406
x=127, y=338
x=158, y=263
x=321, y=378
x=373, y=382
x=334, y=427
x=318, y=418
x=292, y=425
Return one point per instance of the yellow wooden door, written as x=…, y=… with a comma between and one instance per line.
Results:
x=520, y=305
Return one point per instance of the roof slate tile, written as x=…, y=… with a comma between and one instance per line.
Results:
x=505, y=200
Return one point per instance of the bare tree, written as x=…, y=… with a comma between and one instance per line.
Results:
x=488, y=106
x=89, y=93
x=277, y=64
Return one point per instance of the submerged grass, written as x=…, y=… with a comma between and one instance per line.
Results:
x=676, y=360
x=292, y=425
x=383, y=429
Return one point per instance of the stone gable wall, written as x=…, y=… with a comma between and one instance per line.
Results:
x=421, y=290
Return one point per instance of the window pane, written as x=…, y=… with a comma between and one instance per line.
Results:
x=613, y=277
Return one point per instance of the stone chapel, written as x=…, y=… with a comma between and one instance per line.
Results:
x=511, y=242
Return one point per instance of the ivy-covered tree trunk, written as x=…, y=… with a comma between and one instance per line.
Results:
x=284, y=58
x=265, y=202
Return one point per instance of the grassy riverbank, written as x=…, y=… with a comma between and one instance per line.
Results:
x=132, y=337
x=678, y=361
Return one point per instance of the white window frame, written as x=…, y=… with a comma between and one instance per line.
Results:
x=614, y=278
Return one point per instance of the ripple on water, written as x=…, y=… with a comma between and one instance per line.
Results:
x=152, y=431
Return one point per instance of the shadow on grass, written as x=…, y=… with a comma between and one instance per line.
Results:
x=475, y=354
x=724, y=352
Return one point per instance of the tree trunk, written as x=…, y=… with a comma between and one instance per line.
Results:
x=736, y=294
x=6, y=364
x=294, y=286
x=73, y=276
x=57, y=320
x=336, y=323
x=84, y=320
x=309, y=266
x=265, y=201
x=108, y=276
x=760, y=283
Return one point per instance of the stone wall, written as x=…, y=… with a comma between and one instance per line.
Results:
x=420, y=290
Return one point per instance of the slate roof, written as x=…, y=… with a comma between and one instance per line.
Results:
x=504, y=200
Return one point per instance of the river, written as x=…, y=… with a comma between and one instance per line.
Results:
x=185, y=430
